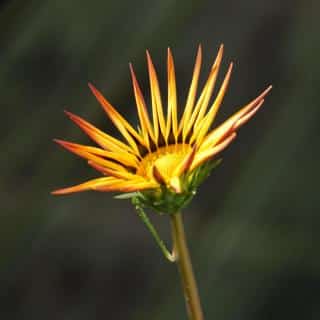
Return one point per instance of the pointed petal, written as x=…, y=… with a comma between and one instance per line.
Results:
x=123, y=126
x=145, y=123
x=205, y=96
x=129, y=186
x=192, y=91
x=247, y=116
x=124, y=158
x=209, y=153
x=86, y=155
x=89, y=185
x=104, y=140
x=157, y=109
x=172, y=119
x=125, y=175
x=215, y=135
x=202, y=128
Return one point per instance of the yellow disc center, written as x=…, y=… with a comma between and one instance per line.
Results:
x=166, y=159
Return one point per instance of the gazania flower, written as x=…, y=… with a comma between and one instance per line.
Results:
x=162, y=162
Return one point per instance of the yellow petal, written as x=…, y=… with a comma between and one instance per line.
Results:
x=204, y=156
x=128, y=186
x=123, y=126
x=172, y=119
x=157, y=109
x=89, y=185
x=124, y=158
x=185, y=163
x=86, y=155
x=202, y=128
x=192, y=91
x=158, y=176
x=175, y=184
x=110, y=172
x=146, y=127
x=104, y=140
x=235, y=120
x=205, y=96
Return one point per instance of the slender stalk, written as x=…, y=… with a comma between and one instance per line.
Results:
x=183, y=261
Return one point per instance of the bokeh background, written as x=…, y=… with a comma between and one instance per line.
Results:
x=254, y=226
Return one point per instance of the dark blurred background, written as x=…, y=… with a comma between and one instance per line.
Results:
x=253, y=227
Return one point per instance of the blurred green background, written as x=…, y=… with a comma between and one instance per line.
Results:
x=253, y=227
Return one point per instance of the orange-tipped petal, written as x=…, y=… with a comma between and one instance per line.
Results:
x=86, y=155
x=215, y=135
x=145, y=123
x=203, y=101
x=192, y=91
x=202, y=128
x=123, y=126
x=124, y=158
x=246, y=117
x=128, y=186
x=109, y=172
x=104, y=140
x=209, y=153
x=172, y=118
x=157, y=109
x=89, y=185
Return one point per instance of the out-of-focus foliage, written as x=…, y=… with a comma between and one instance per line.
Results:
x=253, y=227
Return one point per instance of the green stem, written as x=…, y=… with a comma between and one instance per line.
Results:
x=183, y=260
x=145, y=219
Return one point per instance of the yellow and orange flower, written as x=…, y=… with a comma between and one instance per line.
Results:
x=164, y=153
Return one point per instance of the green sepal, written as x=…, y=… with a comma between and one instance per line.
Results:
x=128, y=195
x=164, y=200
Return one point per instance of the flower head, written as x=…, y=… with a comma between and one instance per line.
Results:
x=162, y=162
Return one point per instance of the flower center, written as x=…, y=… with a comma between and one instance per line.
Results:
x=165, y=159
